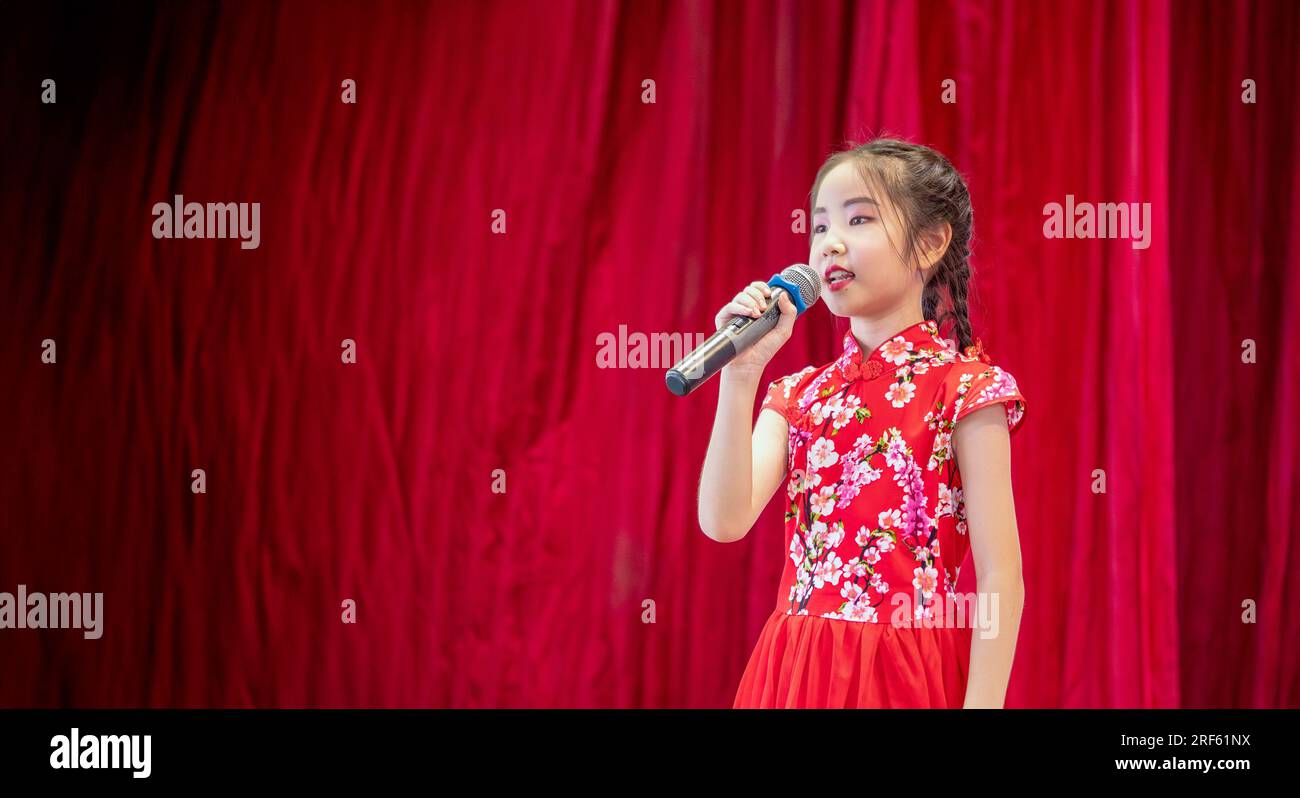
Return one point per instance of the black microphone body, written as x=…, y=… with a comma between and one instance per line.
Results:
x=799, y=282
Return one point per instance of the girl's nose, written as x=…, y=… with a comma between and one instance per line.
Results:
x=832, y=248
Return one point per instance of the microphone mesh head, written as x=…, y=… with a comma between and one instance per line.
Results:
x=808, y=280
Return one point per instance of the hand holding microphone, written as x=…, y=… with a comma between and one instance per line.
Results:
x=752, y=303
x=750, y=328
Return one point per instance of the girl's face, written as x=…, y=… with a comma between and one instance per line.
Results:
x=853, y=228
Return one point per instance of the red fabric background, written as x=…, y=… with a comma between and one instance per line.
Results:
x=477, y=351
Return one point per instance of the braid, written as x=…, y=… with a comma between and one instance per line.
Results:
x=930, y=298
x=950, y=281
x=958, y=287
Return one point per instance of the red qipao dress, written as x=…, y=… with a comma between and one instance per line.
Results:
x=875, y=528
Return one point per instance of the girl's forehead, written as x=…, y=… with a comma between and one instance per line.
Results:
x=845, y=176
x=844, y=182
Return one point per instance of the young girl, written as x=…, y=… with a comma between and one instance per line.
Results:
x=897, y=452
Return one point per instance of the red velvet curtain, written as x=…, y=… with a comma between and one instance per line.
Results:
x=497, y=200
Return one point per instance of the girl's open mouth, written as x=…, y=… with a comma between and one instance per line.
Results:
x=839, y=280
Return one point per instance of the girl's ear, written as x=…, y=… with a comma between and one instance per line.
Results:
x=934, y=243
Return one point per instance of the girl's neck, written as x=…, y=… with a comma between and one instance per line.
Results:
x=871, y=331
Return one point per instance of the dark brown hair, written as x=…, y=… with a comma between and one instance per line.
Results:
x=925, y=191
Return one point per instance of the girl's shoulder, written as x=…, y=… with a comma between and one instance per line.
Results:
x=792, y=381
x=974, y=381
x=782, y=392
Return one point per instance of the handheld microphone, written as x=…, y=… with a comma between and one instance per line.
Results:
x=799, y=281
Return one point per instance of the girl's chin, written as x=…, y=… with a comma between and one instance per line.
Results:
x=842, y=309
x=853, y=302
x=845, y=295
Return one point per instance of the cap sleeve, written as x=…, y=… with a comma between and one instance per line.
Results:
x=782, y=396
x=985, y=385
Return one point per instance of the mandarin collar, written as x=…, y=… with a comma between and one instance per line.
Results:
x=920, y=340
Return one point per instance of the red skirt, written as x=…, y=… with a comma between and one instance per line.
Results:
x=811, y=662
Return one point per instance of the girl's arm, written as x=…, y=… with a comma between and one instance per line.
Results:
x=741, y=471
x=983, y=449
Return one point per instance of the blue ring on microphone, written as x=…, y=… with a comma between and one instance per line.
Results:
x=796, y=296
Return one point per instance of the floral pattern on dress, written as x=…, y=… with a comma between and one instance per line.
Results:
x=874, y=498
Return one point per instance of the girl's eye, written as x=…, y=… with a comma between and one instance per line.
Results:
x=818, y=228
